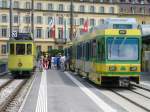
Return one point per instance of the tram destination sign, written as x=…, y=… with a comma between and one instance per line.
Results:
x=14, y=34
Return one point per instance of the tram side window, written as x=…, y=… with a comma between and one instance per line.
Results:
x=83, y=51
x=78, y=52
x=90, y=49
x=20, y=49
x=94, y=48
x=87, y=51
x=99, y=51
x=103, y=51
x=29, y=49
x=11, y=48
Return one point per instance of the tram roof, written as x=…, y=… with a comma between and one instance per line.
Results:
x=107, y=32
x=23, y=36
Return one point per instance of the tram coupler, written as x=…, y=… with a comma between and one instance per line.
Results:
x=124, y=82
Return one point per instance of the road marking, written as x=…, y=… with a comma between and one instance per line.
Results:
x=42, y=96
x=100, y=103
x=144, y=83
x=25, y=99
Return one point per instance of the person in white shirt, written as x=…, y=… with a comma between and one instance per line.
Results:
x=62, y=61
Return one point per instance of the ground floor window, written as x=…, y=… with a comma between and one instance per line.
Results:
x=3, y=49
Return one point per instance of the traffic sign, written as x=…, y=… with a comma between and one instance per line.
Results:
x=14, y=34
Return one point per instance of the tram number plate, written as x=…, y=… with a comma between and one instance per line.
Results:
x=122, y=32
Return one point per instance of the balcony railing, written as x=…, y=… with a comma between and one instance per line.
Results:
x=60, y=41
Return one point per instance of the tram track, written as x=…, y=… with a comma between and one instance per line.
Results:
x=140, y=86
x=9, y=91
x=142, y=104
x=15, y=104
x=135, y=98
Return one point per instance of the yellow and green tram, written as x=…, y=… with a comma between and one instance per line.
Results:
x=22, y=57
x=109, y=55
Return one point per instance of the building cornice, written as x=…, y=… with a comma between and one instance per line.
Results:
x=75, y=12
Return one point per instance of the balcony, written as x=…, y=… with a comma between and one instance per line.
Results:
x=60, y=41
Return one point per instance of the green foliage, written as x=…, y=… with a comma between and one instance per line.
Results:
x=54, y=52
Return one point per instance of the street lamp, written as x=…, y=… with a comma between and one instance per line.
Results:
x=71, y=20
x=10, y=15
x=32, y=18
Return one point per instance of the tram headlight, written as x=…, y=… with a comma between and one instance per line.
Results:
x=112, y=68
x=19, y=64
x=134, y=68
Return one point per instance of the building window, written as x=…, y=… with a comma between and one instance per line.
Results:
x=101, y=21
x=49, y=48
x=142, y=10
x=60, y=20
x=39, y=20
x=4, y=32
x=4, y=18
x=92, y=22
x=49, y=19
x=39, y=6
x=143, y=22
x=133, y=10
x=61, y=8
x=141, y=1
x=111, y=10
x=4, y=3
x=122, y=10
x=27, y=19
x=101, y=9
x=110, y=1
x=16, y=4
x=122, y=1
x=60, y=33
x=38, y=47
x=101, y=1
x=81, y=8
x=92, y=9
x=81, y=21
x=4, y=49
x=39, y=33
x=50, y=6
x=16, y=19
x=27, y=5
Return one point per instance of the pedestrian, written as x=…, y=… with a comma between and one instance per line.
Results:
x=55, y=62
x=52, y=62
x=58, y=61
x=62, y=61
x=67, y=62
x=45, y=62
x=49, y=60
x=41, y=64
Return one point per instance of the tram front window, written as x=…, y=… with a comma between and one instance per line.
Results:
x=120, y=48
x=20, y=49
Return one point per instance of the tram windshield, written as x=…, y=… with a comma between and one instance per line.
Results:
x=20, y=49
x=121, y=48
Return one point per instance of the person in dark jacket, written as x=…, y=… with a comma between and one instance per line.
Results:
x=49, y=59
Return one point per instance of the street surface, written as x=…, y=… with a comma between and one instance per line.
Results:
x=57, y=91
